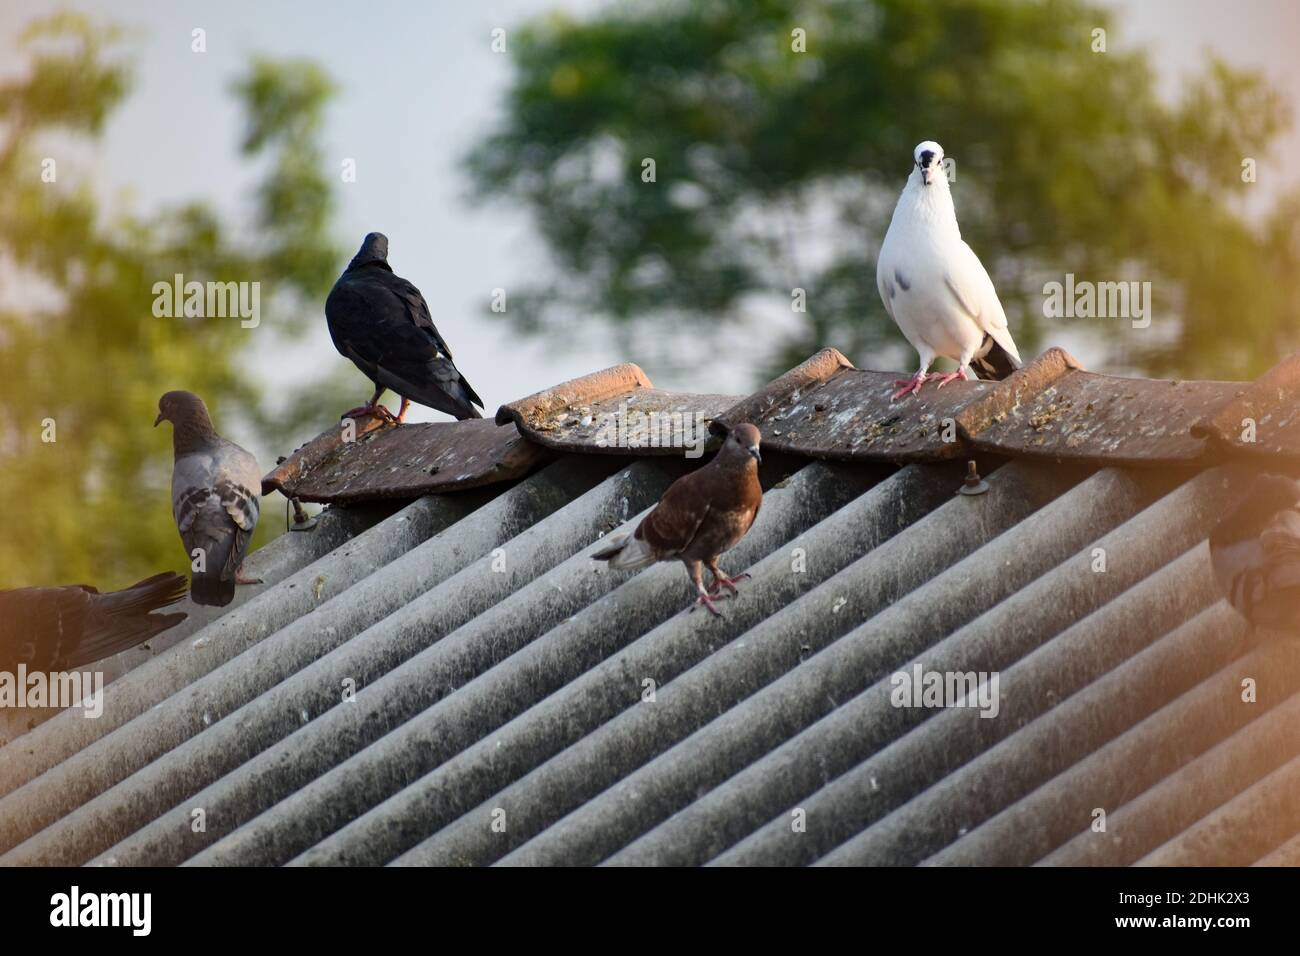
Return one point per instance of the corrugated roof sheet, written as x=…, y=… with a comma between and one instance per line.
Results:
x=517, y=703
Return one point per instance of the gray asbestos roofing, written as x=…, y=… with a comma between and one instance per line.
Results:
x=517, y=703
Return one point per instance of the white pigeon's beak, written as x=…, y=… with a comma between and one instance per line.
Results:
x=927, y=174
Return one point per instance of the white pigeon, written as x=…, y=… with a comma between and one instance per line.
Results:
x=934, y=286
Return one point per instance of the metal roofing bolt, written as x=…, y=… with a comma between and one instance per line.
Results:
x=301, y=520
x=973, y=484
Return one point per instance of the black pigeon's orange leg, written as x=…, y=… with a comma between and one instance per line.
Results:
x=401, y=412
x=372, y=407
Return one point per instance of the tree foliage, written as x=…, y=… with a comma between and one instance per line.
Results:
x=778, y=169
x=80, y=346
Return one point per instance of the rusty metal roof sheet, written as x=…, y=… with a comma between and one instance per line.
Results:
x=1262, y=418
x=614, y=411
x=827, y=409
x=1054, y=408
x=404, y=461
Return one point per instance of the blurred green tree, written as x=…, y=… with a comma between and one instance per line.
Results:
x=778, y=169
x=80, y=347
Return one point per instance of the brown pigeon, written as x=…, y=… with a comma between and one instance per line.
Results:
x=1255, y=552
x=215, y=486
x=701, y=516
x=58, y=629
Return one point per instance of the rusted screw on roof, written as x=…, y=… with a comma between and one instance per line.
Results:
x=301, y=520
x=973, y=484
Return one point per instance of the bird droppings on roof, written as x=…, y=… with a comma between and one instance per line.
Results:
x=1263, y=419
x=424, y=663
x=612, y=411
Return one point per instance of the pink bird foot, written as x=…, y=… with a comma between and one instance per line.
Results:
x=909, y=386
x=945, y=379
x=379, y=411
x=706, y=601
x=722, y=581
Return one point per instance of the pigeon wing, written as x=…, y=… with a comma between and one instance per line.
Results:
x=358, y=322
x=440, y=362
x=122, y=619
x=417, y=310
x=381, y=322
x=38, y=625
x=678, y=517
x=970, y=285
x=216, y=505
x=238, y=480
x=884, y=284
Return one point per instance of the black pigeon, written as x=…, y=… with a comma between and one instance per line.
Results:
x=62, y=628
x=382, y=323
x=1255, y=552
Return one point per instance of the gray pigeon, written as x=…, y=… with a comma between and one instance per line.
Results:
x=382, y=323
x=62, y=628
x=215, y=500
x=1255, y=553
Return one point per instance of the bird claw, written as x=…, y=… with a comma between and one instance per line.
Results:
x=729, y=583
x=381, y=412
x=950, y=376
x=240, y=579
x=910, y=386
x=707, y=602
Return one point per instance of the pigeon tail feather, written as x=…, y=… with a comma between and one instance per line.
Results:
x=127, y=619
x=444, y=393
x=626, y=553
x=125, y=634
x=995, y=363
x=145, y=596
x=211, y=590
x=469, y=398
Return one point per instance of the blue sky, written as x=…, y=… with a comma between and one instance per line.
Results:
x=419, y=84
